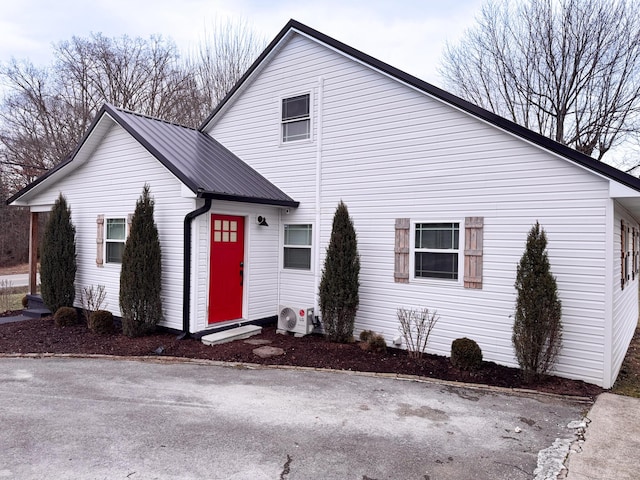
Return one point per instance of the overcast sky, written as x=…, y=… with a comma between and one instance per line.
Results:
x=409, y=35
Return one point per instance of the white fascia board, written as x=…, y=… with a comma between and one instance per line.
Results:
x=618, y=190
x=40, y=208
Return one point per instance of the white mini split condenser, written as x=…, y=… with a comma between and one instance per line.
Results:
x=294, y=319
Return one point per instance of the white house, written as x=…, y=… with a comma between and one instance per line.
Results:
x=442, y=194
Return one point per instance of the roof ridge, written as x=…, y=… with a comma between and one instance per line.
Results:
x=150, y=117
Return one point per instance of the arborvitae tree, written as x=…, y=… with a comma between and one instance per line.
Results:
x=140, y=276
x=537, y=330
x=58, y=258
x=339, y=298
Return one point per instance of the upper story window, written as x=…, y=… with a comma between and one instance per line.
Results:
x=296, y=119
x=297, y=246
x=115, y=238
x=437, y=250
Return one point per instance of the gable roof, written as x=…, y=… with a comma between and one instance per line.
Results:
x=294, y=26
x=201, y=163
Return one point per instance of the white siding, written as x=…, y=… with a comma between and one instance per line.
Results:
x=625, y=302
x=391, y=152
x=109, y=184
x=261, y=261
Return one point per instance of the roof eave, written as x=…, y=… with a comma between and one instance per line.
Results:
x=244, y=199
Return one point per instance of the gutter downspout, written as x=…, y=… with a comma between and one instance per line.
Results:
x=186, y=281
x=318, y=197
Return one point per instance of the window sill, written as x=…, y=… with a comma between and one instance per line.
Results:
x=443, y=282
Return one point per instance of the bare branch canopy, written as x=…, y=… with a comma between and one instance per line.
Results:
x=568, y=69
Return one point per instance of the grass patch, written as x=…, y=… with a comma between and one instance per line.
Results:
x=11, y=297
x=628, y=382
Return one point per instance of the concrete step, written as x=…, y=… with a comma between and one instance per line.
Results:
x=36, y=312
x=232, y=334
x=35, y=301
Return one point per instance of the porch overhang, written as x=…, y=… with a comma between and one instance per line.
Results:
x=245, y=199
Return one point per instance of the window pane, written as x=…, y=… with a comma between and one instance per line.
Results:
x=114, y=252
x=295, y=107
x=436, y=265
x=299, y=130
x=437, y=235
x=297, y=234
x=299, y=258
x=115, y=229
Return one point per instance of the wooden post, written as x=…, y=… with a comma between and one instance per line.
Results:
x=33, y=254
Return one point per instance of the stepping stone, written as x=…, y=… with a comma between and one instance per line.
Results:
x=267, y=352
x=257, y=341
x=232, y=334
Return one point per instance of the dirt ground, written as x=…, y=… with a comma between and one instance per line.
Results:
x=42, y=336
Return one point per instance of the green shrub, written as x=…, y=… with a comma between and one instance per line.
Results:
x=101, y=322
x=537, y=328
x=466, y=354
x=140, y=276
x=372, y=342
x=65, y=316
x=339, y=285
x=58, y=259
x=25, y=301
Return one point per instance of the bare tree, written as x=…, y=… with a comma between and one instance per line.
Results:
x=46, y=110
x=568, y=69
x=225, y=53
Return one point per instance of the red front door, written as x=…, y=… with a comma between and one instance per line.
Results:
x=227, y=268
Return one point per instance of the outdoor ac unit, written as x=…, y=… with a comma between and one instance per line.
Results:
x=295, y=319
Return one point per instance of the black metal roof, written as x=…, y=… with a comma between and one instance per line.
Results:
x=490, y=117
x=204, y=165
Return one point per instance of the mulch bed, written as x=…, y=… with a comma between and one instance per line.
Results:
x=42, y=336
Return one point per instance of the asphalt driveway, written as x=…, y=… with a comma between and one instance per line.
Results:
x=105, y=419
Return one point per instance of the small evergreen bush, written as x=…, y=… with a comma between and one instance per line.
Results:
x=339, y=285
x=65, y=316
x=58, y=259
x=466, y=354
x=537, y=328
x=140, y=276
x=101, y=322
x=372, y=342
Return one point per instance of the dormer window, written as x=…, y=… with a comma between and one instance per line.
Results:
x=296, y=120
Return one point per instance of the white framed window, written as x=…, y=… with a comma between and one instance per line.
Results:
x=116, y=235
x=296, y=118
x=436, y=250
x=297, y=246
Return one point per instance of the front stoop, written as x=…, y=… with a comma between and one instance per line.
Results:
x=232, y=334
x=35, y=307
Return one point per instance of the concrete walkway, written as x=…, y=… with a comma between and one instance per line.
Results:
x=611, y=449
